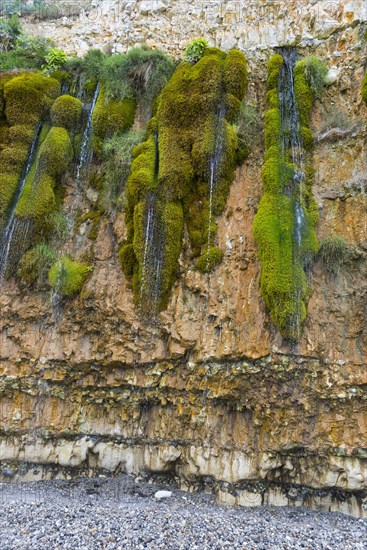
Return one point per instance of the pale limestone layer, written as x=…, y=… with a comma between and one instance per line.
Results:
x=170, y=25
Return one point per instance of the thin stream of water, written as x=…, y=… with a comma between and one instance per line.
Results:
x=291, y=144
x=7, y=235
x=153, y=256
x=85, y=152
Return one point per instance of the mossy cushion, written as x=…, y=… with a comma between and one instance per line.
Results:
x=67, y=276
x=66, y=112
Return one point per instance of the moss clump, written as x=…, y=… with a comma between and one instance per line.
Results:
x=29, y=97
x=364, y=88
x=66, y=112
x=67, y=276
x=209, y=259
x=56, y=152
x=37, y=200
x=189, y=143
x=8, y=186
x=111, y=116
x=24, y=100
x=284, y=284
x=128, y=259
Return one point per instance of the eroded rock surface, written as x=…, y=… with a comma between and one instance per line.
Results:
x=209, y=391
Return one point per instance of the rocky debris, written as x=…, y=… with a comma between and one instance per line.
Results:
x=67, y=515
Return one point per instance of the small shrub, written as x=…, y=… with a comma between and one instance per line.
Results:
x=54, y=60
x=315, y=72
x=10, y=30
x=117, y=153
x=140, y=73
x=336, y=119
x=334, y=253
x=60, y=224
x=194, y=51
x=33, y=49
x=36, y=263
x=249, y=127
x=67, y=276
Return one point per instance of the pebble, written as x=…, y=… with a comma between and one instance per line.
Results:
x=119, y=513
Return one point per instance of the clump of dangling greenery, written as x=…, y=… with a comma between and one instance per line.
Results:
x=36, y=263
x=284, y=284
x=140, y=73
x=335, y=252
x=171, y=168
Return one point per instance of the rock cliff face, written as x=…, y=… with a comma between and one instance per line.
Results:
x=209, y=392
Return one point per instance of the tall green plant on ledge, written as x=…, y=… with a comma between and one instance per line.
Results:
x=284, y=284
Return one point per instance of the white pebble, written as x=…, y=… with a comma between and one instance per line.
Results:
x=163, y=494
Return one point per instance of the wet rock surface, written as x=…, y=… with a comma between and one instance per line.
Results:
x=122, y=513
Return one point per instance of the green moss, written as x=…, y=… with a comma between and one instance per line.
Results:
x=29, y=97
x=128, y=259
x=364, y=88
x=13, y=157
x=304, y=95
x=66, y=112
x=209, y=259
x=284, y=284
x=272, y=128
x=25, y=99
x=274, y=66
x=8, y=186
x=190, y=127
x=111, y=116
x=21, y=134
x=38, y=199
x=172, y=220
x=67, y=276
x=56, y=152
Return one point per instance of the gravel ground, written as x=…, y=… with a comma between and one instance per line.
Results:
x=119, y=513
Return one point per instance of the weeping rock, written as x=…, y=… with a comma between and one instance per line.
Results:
x=210, y=394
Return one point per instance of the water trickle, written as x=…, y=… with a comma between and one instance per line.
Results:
x=292, y=151
x=15, y=227
x=153, y=256
x=214, y=169
x=56, y=296
x=85, y=151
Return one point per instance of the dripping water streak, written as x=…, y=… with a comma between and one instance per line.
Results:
x=85, y=152
x=292, y=145
x=214, y=167
x=211, y=190
x=153, y=256
x=8, y=233
x=147, y=239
